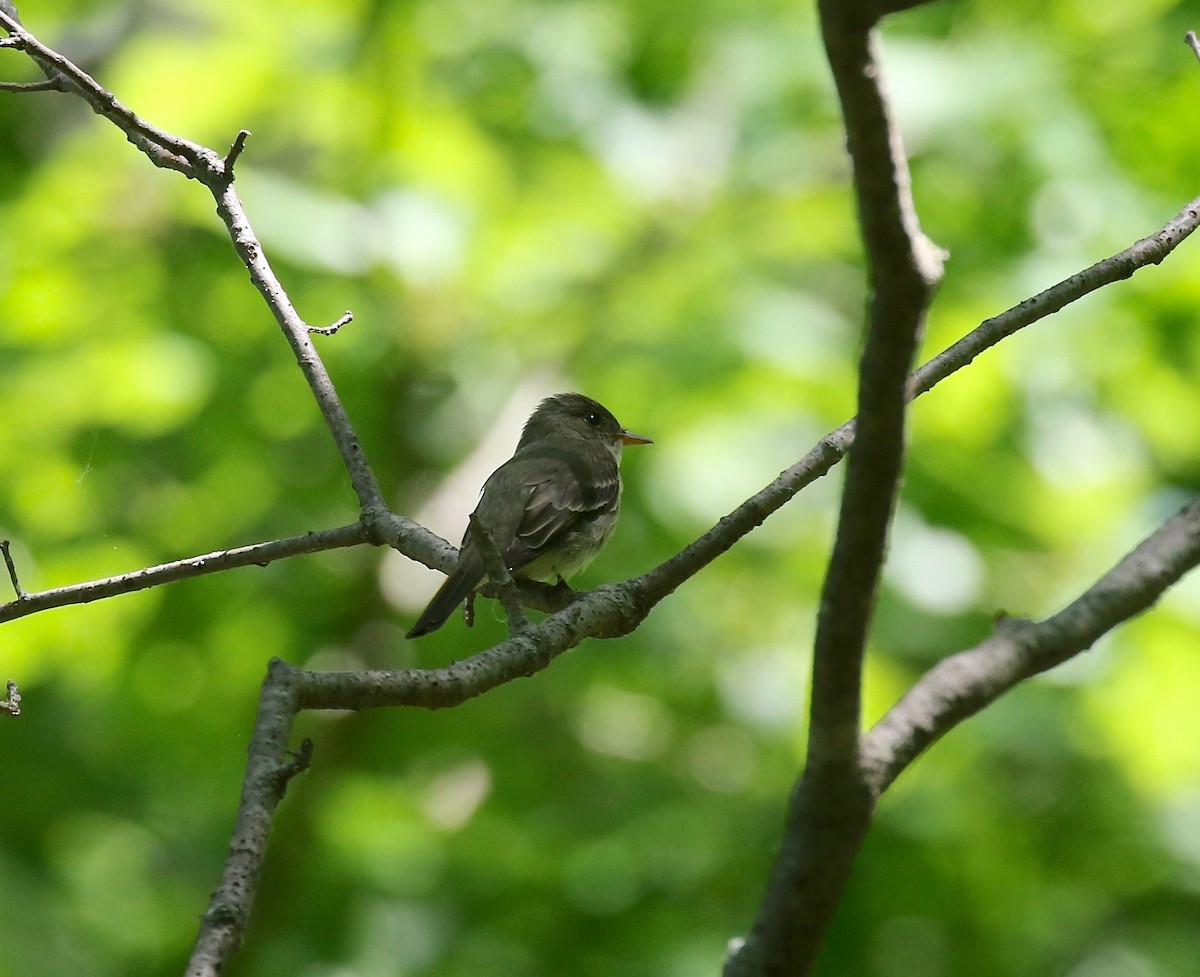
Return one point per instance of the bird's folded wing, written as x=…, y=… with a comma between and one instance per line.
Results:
x=562, y=493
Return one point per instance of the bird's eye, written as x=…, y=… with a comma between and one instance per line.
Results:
x=592, y=419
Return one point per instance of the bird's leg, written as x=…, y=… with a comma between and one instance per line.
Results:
x=498, y=573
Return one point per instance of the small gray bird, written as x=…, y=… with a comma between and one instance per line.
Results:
x=550, y=508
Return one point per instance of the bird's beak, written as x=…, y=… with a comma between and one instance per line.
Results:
x=628, y=437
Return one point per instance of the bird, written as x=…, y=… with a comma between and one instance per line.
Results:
x=550, y=508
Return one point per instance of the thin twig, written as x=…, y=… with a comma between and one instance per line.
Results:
x=6, y=549
x=162, y=148
x=46, y=85
x=1150, y=250
x=346, y=317
x=657, y=583
x=260, y=554
x=206, y=166
x=295, y=330
x=239, y=143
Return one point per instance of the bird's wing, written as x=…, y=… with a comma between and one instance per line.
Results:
x=546, y=494
x=561, y=493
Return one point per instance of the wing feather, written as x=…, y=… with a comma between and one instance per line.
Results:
x=563, y=490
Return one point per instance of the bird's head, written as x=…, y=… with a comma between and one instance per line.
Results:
x=571, y=416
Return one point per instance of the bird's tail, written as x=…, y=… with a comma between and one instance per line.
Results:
x=453, y=591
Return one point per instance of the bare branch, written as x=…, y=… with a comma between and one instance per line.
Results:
x=965, y=683
x=295, y=329
x=346, y=317
x=48, y=85
x=831, y=807
x=904, y=269
x=163, y=149
x=6, y=549
x=595, y=613
x=288, y=689
x=235, y=151
x=1149, y=250
x=216, y=174
x=259, y=554
x=268, y=771
x=663, y=579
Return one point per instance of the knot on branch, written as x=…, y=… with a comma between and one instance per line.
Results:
x=298, y=761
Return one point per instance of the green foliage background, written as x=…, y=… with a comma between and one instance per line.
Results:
x=646, y=202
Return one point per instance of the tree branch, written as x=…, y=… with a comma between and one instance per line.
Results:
x=48, y=85
x=903, y=269
x=296, y=330
x=259, y=554
x=6, y=549
x=161, y=148
x=344, y=319
x=287, y=689
x=831, y=807
x=963, y=684
x=1149, y=250
x=224, y=922
x=216, y=174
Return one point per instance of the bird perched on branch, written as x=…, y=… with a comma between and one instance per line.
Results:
x=550, y=508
